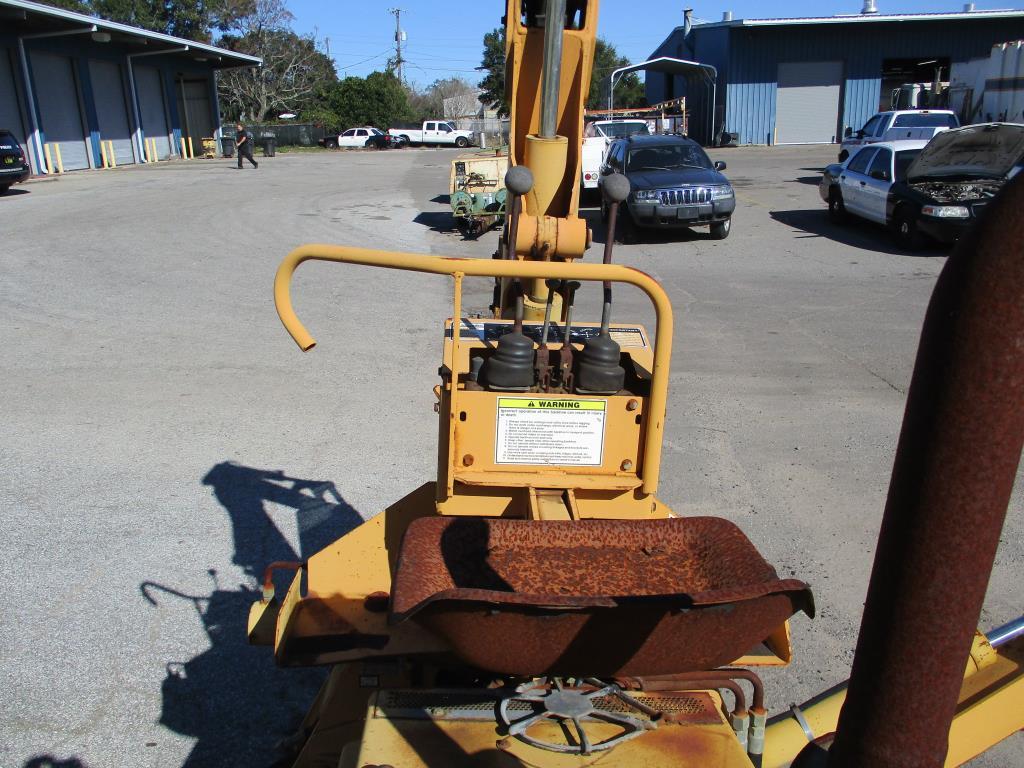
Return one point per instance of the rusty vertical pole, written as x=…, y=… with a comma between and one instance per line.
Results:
x=954, y=470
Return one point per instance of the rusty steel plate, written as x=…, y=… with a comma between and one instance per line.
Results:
x=591, y=597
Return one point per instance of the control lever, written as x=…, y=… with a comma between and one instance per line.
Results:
x=568, y=291
x=600, y=370
x=510, y=368
x=542, y=364
x=518, y=182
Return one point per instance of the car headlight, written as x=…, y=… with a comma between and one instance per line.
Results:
x=946, y=211
x=721, y=192
x=646, y=194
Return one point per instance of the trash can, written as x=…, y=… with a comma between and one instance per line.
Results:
x=269, y=142
x=227, y=144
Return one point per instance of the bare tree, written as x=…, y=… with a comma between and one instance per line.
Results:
x=294, y=67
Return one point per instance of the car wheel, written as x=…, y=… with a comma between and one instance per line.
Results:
x=720, y=229
x=331, y=143
x=461, y=142
x=843, y=155
x=403, y=141
x=836, y=206
x=908, y=236
x=628, y=232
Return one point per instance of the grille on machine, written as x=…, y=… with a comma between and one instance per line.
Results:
x=685, y=196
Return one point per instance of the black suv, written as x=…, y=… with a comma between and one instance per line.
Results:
x=13, y=163
x=672, y=183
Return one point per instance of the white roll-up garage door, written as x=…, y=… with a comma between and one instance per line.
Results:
x=10, y=109
x=151, y=106
x=807, y=102
x=60, y=113
x=112, y=109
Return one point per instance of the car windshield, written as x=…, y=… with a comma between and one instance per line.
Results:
x=926, y=120
x=623, y=130
x=903, y=161
x=667, y=157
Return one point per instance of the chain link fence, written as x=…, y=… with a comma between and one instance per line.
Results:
x=287, y=134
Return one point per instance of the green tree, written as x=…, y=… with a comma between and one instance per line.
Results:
x=493, y=63
x=629, y=90
x=191, y=19
x=295, y=73
x=378, y=99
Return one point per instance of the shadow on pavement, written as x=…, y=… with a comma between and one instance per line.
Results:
x=49, y=761
x=14, y=192
x=856, y=232
x=232, y=698
x=437, y=221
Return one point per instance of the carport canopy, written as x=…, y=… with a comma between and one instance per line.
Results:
x=667, y=65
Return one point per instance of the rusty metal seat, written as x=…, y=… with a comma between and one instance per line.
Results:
x=591, y=597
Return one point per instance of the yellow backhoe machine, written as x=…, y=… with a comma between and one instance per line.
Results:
x=537, y=604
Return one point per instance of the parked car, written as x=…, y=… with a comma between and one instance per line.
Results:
x=673, y=184
x=14, y=167
x=879, y=126
x=941, y=192
x=596, y=138
x=431, y=132
x=367, y=136
x=861, y=185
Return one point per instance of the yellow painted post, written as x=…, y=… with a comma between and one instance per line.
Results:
x=111, y=155
x=60, y=160
x=104, y=163
x=184, y=149
x=191, y=151
x=145, y=150
x=49, y=158
x=152, y=151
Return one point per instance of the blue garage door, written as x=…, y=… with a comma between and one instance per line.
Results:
x=60, y=113
x=151, y=106
x=112, y=109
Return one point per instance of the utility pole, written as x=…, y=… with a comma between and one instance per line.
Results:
x=399, y=39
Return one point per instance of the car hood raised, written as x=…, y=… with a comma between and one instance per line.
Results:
x=988, y=150
x=677, y=177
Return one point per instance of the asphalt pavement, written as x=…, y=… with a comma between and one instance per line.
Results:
x=164, y=439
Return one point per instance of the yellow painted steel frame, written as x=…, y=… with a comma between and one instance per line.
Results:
x=990, y=709
x=339, y=578
x=460, y=268
x=524, y=56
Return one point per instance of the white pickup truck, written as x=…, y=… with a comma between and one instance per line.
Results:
x=596, y=138
x=881, y=127
x=430, y=132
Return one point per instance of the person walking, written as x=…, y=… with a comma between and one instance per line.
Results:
x=243, y=142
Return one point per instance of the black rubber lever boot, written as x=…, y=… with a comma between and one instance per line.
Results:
x=511, y=365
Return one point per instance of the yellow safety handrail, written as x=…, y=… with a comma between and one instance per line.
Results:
x=445, y=265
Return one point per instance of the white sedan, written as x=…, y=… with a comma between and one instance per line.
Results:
x=860, y=186
x=366, y=136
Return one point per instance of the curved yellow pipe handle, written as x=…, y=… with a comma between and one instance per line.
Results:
x=444, y=265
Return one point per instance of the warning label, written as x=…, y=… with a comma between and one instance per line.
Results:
x=538, y=430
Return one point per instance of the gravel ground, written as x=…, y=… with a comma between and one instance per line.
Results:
x=164, y=439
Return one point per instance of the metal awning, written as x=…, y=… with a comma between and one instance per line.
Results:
x=670, y=66
x=28, y=18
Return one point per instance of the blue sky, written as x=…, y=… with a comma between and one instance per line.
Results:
x=445, y=38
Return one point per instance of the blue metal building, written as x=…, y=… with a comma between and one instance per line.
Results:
x=84, y=87
x=805, y=80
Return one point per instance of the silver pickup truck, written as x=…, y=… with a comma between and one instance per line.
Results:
x=431, y=132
